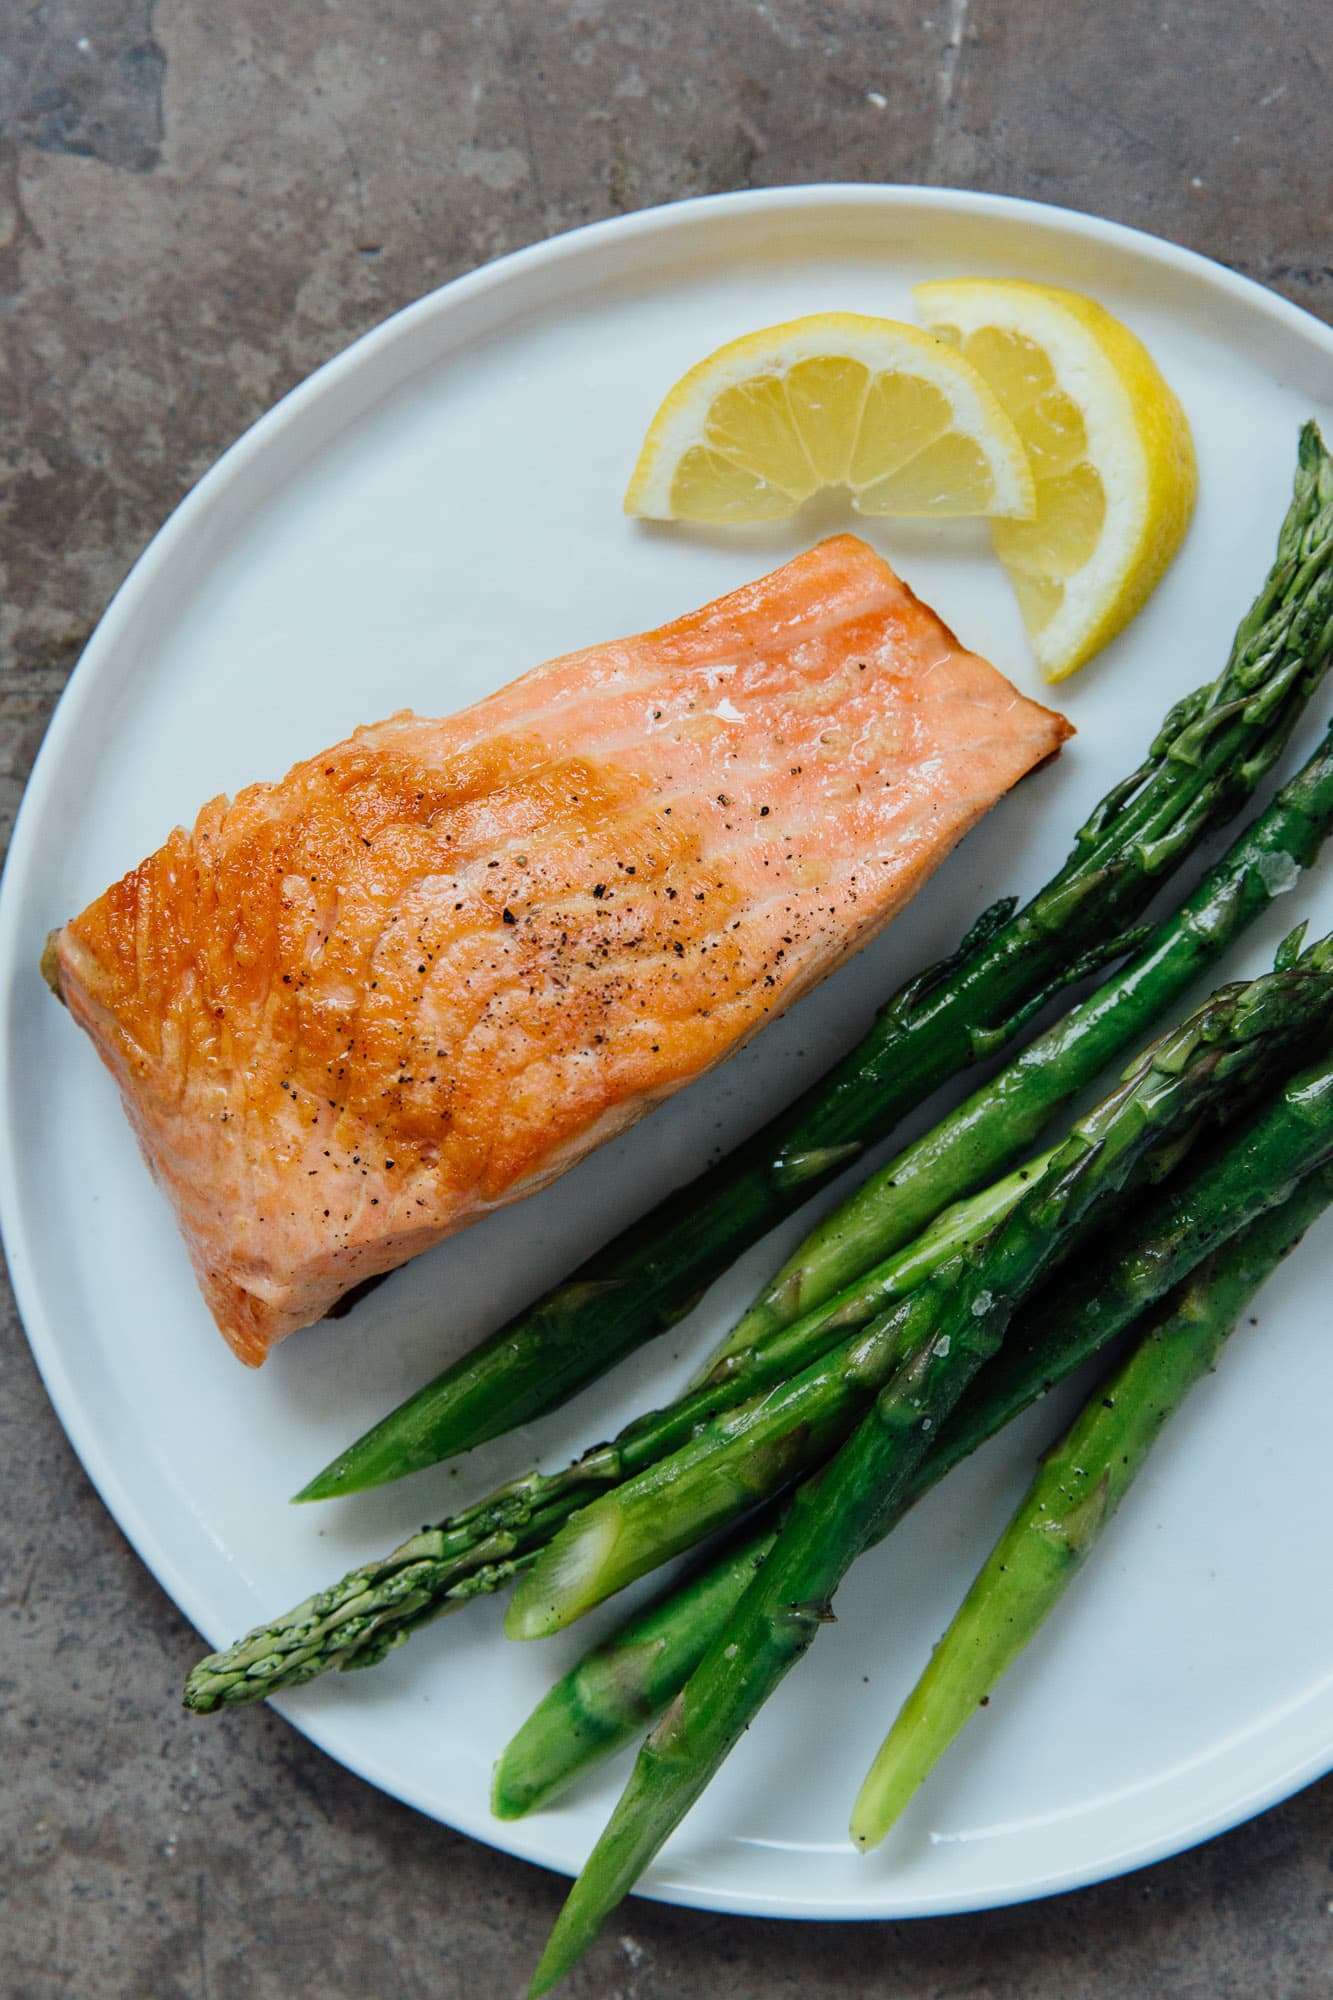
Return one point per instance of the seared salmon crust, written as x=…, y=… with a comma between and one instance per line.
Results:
x=433, y=967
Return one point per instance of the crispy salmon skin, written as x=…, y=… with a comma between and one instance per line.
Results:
x=431, y=968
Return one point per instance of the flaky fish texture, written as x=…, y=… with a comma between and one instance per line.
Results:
x=433, y=967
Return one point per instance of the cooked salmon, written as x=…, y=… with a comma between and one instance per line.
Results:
x=434, y=966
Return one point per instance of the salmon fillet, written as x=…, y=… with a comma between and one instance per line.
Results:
x=433, y=967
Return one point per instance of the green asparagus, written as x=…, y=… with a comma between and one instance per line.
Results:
x=1084, y=1308
x=1213, y=749
x=1080, y=1483
x=749, y=1452
x=1223, y=1189
x=617, y=1690
x=836, y=1514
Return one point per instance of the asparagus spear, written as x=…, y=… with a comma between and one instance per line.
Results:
x=733, y=1377
x=838, y=1513
x=1007, y=1113
x=1083, y=1309
x=649, y=1660
x=481, y=1548
x=1080, y=1483
x=748, y=1453
x=1213, y=749
x=617, y=1690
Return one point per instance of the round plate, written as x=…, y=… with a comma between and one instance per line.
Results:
x=432, y=512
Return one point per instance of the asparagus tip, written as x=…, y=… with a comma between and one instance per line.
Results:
x=568, y=1577
x=324, y=1486
x=352, y=1471
x=528, y=1620
x=565, y=1946
x=874, y=1813
x=507, y=1801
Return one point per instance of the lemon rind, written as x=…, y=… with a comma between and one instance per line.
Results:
x=1076, y=333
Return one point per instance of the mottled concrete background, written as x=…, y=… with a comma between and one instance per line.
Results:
x=198, y=203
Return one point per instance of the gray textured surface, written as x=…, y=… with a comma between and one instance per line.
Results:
x=197, y=205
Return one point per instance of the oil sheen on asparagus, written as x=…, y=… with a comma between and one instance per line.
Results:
x=609, y=1697
x=962, y=1314
x=1080, y=1483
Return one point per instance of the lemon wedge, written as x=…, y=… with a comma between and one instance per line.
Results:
x=837, y=399
x=1110, y=451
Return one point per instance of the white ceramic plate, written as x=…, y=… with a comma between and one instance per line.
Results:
x=432, y=512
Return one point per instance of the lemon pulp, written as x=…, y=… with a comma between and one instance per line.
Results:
x=892, y=414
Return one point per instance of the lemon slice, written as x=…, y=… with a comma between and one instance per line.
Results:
x=1110, y=451
x=837, y=399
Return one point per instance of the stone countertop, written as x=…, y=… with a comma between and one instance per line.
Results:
x=198, y=204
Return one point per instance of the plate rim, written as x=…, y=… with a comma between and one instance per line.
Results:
x=524, y=1840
